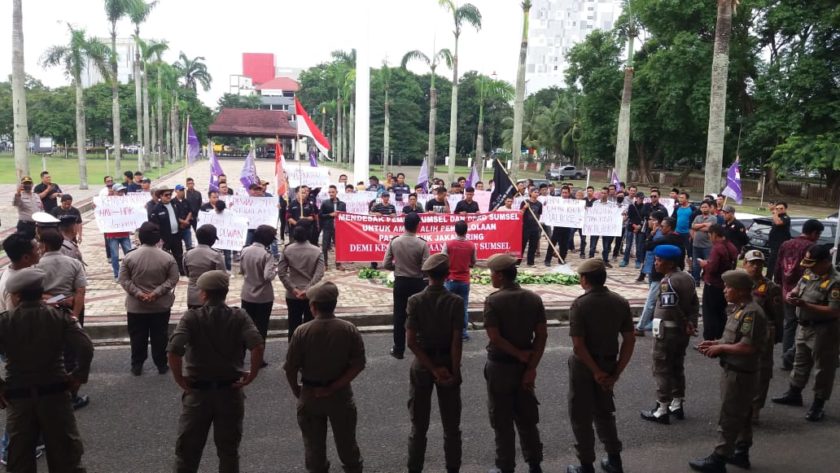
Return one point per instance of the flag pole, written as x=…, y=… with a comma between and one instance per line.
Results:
x=186, y=144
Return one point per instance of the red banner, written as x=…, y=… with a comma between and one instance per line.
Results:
x=365, y=238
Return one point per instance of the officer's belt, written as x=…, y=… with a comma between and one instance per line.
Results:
x=310, y=383
x=35, y=391
x=731, y=367
x=503, y=358
x=670, y=324
x=202, y=385
x=808, y=323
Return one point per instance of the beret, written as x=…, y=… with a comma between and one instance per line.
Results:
x=501, y=262
x=213, y=280
x=26, y=180
x=591, y=265
x=669, y=252
x=24, y=279
x=43, y=218
x=737, y=279
x=437, y=262
x=754, y=255
x=324, y=292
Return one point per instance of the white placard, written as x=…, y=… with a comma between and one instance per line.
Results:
x=453, y=200
x=668, y=203
x=560, y=212
x=359, y=202
x=483, y=199
x=231, y=229
x=308, y=176
x=257, y=210
x=604, y=220
x=116, y=214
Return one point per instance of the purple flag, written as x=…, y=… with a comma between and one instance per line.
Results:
x=248, y=175
x=423, y=178
x=215, y=169
x=474, y=177
x=615, y=181
x=193, y=145
x=733, y=183
x=313, y=158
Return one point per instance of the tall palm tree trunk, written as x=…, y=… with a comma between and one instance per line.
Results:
x=622, y=145
x=479, y=138
x=174, y=135
x=138, y=104
x=339, y=134
x=386, y=135
x=717, y=98
x=453, y=116
x=160, y=120
x=81, y=138
x=351, y=134
x=432, y=125
x=519, y=101
x=147, y=141
x=21, y=127
x=115, y=102
x=156, y=152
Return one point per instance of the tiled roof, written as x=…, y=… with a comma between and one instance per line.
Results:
x=280, y=83
x=254, y=123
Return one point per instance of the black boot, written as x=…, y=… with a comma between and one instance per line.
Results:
x=587, y=468
x=792, y=397
x=612, y=464
x=815, y=413
x=741, y=458
x=714, y=463
x=534, y=468
x=654, y=416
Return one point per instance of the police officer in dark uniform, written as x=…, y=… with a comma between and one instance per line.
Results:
x=817, y=301
x=433, y=328
x=213, y=338
x=739, y=351
x=36, y=391
x=302, y=211
x=674, y=322
x=595, y=321
x=514, y=319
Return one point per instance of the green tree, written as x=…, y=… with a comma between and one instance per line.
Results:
x=193, y=72
x=115, y=10
x=489, y=89
x=238, y=101
x=519, y=100
x=138, y=12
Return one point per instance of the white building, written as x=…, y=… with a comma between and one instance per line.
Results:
x=556, y=26
x=125, y=63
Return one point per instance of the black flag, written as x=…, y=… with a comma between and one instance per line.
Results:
x=502, y=186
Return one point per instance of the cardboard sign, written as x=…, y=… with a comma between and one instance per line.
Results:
x=308, y=176
x=116, y=214
x=359, y=202
x=232, y=229
x=560, y=212
x=257, y=210
x=603, y=220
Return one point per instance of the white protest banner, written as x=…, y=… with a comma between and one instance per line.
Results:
x=258, y=210
x=668, y=203
x=115, y=214
x=483, y=200
x=453, y=201
x=358, y=202
x=231, y=229
x=603, y=220
x=560, y=212
x=308, y=176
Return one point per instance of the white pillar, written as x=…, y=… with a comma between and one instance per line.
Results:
x=361, y=165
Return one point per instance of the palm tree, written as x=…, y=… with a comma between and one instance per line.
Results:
x=338, y=73
x=488, y=88
x=519, y=101
x=193, y=72
x=114, y=11
x=21, y=128
x=74, y=57
x=386, y=129
x=138, y=11
x=622, y=145
x=445, y=56
x=465, y=13
x=717, y=98
x=151, y=53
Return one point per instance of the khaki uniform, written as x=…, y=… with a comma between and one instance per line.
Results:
x=319, y=368
x=301, y=266
x=198, y=261
x=515, y=312
x=257, y=295
x=71, y=248
x=33, y=337
x=676, y=306
x=817, y=337
x=768, y=296
x=739, y=380
x=405, y=256
x=212, y=339
x=434, y=315
x=599, y=317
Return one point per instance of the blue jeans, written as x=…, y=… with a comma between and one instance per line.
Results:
x=631, y=239
x=228, y=258
x=606, y=243
x=699, y=253
x=460, y=288
x=646, y=320
x=114, y=245
x=186, y=235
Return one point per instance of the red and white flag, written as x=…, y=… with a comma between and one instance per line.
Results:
x=280, y=171
x=306, y=127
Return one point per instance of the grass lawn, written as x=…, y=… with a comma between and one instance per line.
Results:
x=66, y=171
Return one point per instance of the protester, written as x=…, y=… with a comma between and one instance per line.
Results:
x=109, y=185
x=413, y=206
x=400, y=189
x=375, y=186
x=468, y=205
x=634, y=230
x=384, y=208
x=559, y=236
x=735, y=231
x=462, y=258
x=662, y=233
x=128, y=180
x=684, y=214
x=328, y=212
x=185, y=215
x=507, y=206
x=66, y=209
x=702, y=244
x=440, y=204
x=779, y=232
x=47, y=192
x=531, y=210
x=27, y=203
x=212, y=198
x=606, y=241
x=166, y=215
x=199, y=260
x=193, y=198
x=117, y=240
x=723, y=256
x=22, y=251
x=301, y=266
x=257, y=266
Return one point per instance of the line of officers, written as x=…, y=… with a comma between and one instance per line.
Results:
x=207, y=349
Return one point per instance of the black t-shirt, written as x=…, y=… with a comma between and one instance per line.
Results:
x=528, y=220
x=409, y=209
x=206, y=207
x=431, y=204
x=736, y=233
x=384, y=209
x=59, y=212
x=778, y=233
x=400, y=190
x=49, y=201
x=468, y=207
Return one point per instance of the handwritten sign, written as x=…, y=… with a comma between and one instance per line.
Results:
x=604, y=220
x=231, y=229
x=258, y=210
x=359, y=202
x=308, y=176
x=115, y=214
x=560, y=212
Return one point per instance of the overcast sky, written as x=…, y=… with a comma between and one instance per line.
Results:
x=300, y=33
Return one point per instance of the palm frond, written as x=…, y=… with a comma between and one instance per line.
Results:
x=415, y=55
x=445, y=56
x=468, y=13
x=139, y=10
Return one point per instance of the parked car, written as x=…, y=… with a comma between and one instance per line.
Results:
x=571, y=172
x=537, y=182
x=759, y=232
x=553, y=174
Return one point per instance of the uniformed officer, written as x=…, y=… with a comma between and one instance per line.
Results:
x=405, y=257
x=37, y=388
x=739, y=351
x=213, y=338
x=300, y=267
x=595, y=320
x=201, y=259
x=433, y=329
x=325, y=394
x=817, y=301
x=70, y=245
x=674, y=322
x=768, y=296
x=514, y=319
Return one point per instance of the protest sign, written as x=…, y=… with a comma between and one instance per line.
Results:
x=258, y=210
x=115, y=214
x=308, y=176
x=483, y=200
x=603, y=220
x=668, y=203
x=560, y=212
x=359, y=202
x=363, y=238
x=232, y=229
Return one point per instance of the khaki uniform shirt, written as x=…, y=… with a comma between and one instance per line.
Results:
x=768, y=296
x=148, y=269
x=434, y=314
x=822, y=290
x=198, y=261
x=746, y=323
x=214, y=338
x=406, y=255
x=5, y=297
x=677, y=300
x=33, y=337
x=27, y=204
x=71, y=249
x=301, y=266
x=323, y=349
x=599, y=316
x=516, y=312
x=63, y=274
x=256, y=264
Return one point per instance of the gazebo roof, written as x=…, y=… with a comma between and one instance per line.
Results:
x=252, y=123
